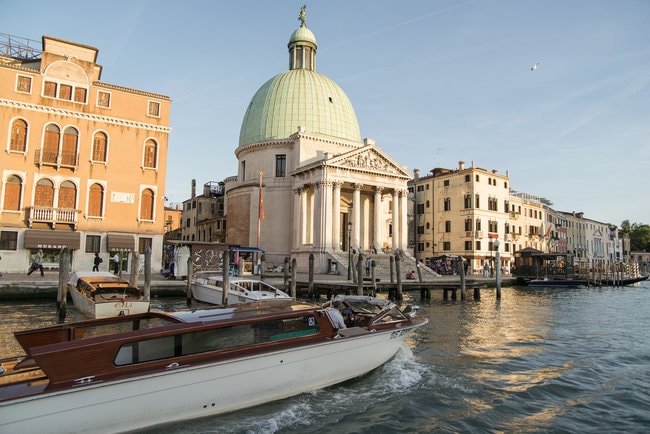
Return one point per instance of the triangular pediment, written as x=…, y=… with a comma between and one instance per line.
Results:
x=368, y=159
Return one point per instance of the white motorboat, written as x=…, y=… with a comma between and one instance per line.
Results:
x=129, y=372
x=207, y=287
x=100, y=294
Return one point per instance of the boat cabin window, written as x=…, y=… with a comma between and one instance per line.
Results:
x=216, y=339
x=393, y=315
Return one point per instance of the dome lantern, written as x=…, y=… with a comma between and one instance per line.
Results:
x=302, y=45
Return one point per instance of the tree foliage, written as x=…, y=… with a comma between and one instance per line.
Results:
x=639, y=234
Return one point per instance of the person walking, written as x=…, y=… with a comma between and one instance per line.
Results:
x=96, y=262
x=37, y=263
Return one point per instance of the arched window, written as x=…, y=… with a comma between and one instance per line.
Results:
x=99, y=147
x=150, y=150
x=18, y=136
x=51, y=144
x=146, y=205
x=69, y=150
x=44, y=194
x=95, y=200
x=13, y=193
x=67, y=195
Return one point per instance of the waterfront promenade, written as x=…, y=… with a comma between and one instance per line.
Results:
x=16, y=286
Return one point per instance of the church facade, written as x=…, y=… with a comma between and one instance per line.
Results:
x=307, y=184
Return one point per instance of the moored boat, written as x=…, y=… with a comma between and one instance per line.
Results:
x=556, y=282
x=207, y=286
x=622, y=281
x=124, y=373
x=100, y=294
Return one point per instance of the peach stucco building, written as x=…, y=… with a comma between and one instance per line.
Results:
x=82, y=163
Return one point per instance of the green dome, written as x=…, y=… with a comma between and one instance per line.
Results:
x=299, y=97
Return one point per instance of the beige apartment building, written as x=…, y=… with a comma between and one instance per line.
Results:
x=83, y=162
x=462, y=212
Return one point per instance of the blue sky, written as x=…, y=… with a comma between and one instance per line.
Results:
x=433, y=82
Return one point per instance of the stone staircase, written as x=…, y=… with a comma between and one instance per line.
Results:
x=382, y=266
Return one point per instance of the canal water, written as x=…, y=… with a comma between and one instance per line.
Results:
x=539, y=360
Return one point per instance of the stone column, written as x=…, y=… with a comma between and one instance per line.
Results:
x=396, y=215
x=356, y=216
x=304, y=217
x=377, y=230
x=299, y=210
x=336, y=216
x=308, y=216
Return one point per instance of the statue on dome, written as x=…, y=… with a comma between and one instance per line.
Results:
x=303, y=16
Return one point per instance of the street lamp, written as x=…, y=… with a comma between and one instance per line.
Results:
x=349, y=250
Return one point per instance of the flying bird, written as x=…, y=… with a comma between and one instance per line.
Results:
x=534, y=67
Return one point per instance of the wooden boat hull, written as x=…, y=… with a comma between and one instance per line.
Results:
x=186, y=392
x=108, y=308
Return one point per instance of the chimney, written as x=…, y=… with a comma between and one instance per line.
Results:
x=461, y=165
x=194, y=188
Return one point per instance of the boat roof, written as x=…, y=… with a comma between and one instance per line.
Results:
x=242, y=310
x=114, y=326
x=94, y=277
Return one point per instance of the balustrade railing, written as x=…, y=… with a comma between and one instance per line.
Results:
x=43, y=214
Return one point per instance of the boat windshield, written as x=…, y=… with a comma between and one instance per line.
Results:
x=391, y=316
x=362, y=306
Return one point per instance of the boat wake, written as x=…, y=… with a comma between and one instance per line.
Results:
x=310, y=412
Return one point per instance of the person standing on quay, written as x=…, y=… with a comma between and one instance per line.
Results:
x=116, y=262
x=37, y=263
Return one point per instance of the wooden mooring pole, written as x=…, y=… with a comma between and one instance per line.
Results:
x=64, y=275
x=310, y=291
x=147, y=273
x=285, y=273
x=398, y=295
x=225, y=270
x=461, y=272
x=293, y=277
x=359, y=274
x=188, y=288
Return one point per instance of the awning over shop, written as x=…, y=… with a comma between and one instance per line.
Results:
x=39, y=239
x=120, y=242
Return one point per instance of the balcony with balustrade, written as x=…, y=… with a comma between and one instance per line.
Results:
x=52, y=216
